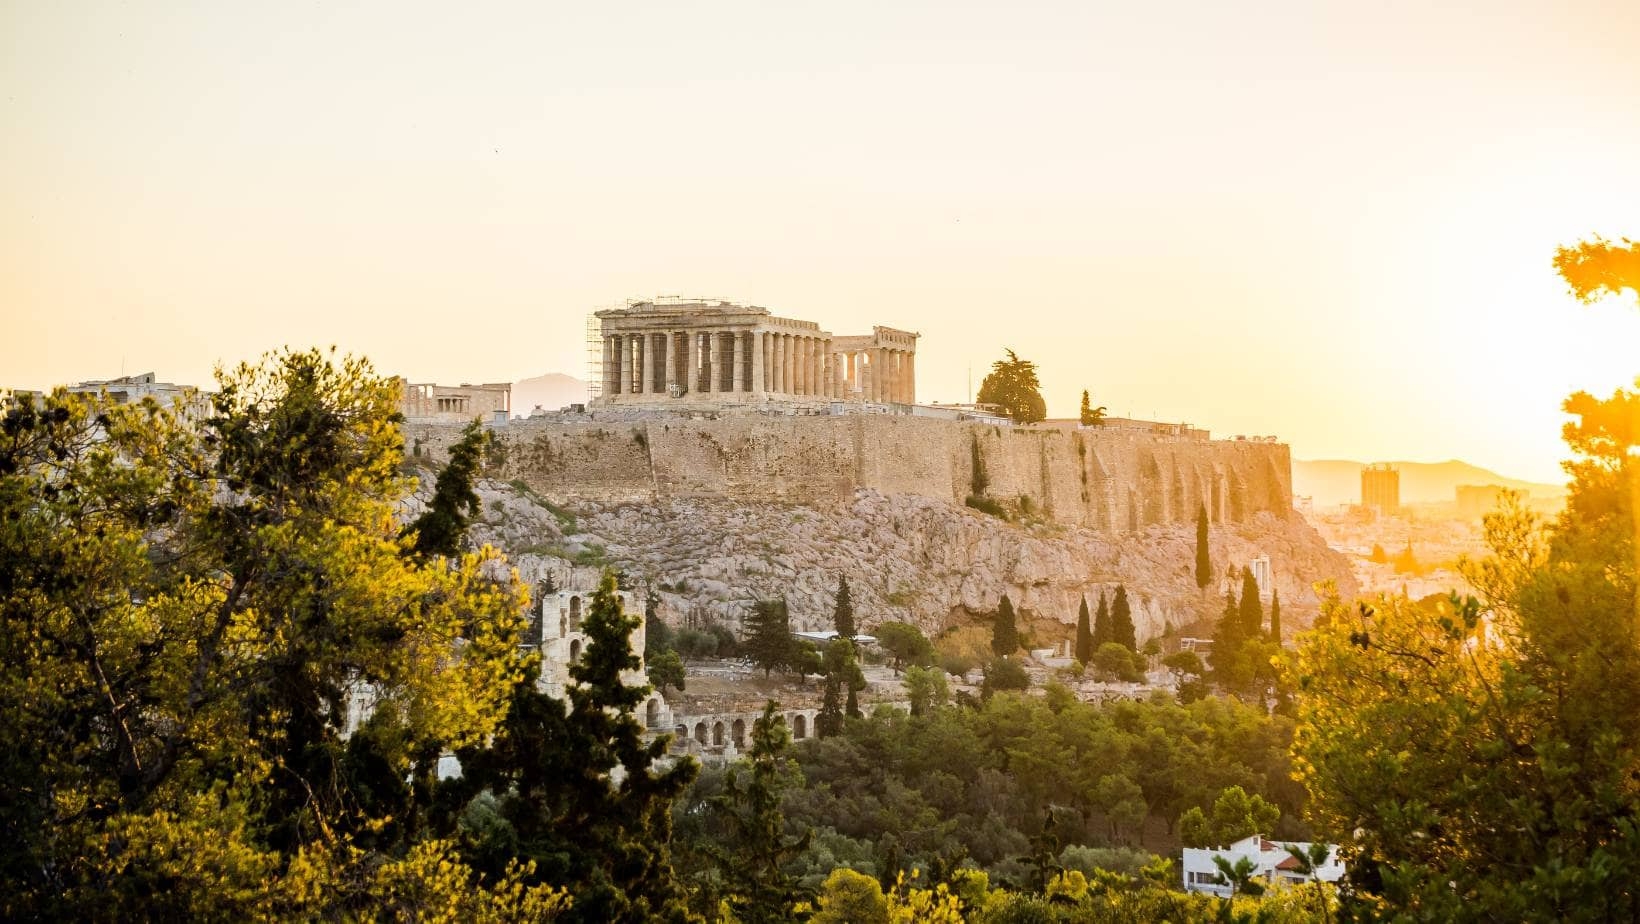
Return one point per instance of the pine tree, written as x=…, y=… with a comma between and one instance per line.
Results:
x=1013, y=385
x=1121, y=621
x=1004, y=633
x=842, y=618
x=1275, y=616
x=768, y=639
x=755, y=851
x=442, y=526
x=552, y=769
x=1090, y=416
x=1084, y=635
x=1204, y=563
x=1252, y=611
x=1101, y=625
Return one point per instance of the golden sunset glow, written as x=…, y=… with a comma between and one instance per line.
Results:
x=1340, y=215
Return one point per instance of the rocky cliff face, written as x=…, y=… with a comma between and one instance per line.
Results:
x=906, y=556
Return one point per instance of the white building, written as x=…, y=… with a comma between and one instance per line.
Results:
x=1272, y=864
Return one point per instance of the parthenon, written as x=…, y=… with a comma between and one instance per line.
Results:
x=719, y=352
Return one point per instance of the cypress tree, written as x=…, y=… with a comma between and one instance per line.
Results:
x=1121, y=621
x=1084, y=635
x=1101, y=624
x=842, y=617
x=1275, y=616
x=1204, y=563
x=1228, y=640
x=1252, y=611
x=769, y=635
x=1004, y=633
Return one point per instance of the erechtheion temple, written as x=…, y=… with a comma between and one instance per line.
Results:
x=719, y=352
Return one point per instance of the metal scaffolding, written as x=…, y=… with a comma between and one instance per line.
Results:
x=595, y=357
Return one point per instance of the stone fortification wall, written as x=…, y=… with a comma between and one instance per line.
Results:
x=1109, y=480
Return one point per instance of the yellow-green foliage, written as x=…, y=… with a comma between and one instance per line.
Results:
x=190, y=607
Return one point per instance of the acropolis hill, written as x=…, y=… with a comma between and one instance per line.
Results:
x=721, y=428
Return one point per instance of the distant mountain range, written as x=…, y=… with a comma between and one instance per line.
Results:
x=551, y=391
x=1338, y=481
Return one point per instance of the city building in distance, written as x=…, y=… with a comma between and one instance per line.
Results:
x=1381, y=487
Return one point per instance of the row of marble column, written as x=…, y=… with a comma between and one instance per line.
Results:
x=722, y=362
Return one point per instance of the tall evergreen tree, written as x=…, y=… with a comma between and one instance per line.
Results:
x=1004, y=633
x=1101, y=624
x=1121, y=621
x=1084, y=634
x=842, y=617
x=1088, y=415
x=768, y=639
x=442, y=526
x=1252, y=611
x=552, y=770
x=1228, y=641
x=1275, y=616
x=1204, y=563
x=754, y=851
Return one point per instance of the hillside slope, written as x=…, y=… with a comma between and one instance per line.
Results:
x=906, y=557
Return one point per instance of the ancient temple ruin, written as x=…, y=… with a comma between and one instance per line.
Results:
x=722, y=353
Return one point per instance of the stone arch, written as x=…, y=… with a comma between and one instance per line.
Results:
x=575, y=614
x=737, y=733
x=652, y=712
x=717, y=734
x=575, y=650
x=800, y=726
x=700, y=732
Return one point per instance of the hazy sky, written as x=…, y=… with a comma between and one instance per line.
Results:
x=1330, y=222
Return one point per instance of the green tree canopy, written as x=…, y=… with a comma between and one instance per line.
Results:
x=1012, y=385
x=905, y=644
x=191, y=611
x=1089, y=415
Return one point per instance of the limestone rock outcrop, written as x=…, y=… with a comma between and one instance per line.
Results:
x=906, y=557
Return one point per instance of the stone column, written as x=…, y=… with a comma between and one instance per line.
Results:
x=650, y=363
x=727, y=356
x=670, y=357
x=816, y=380
x=774, y=362
x=910, y=377
x=737, y=343
x=784, y=348
x=609, y=366
x=709, y=361
x=624, y=364
x=803, y=385
x=754, y=342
